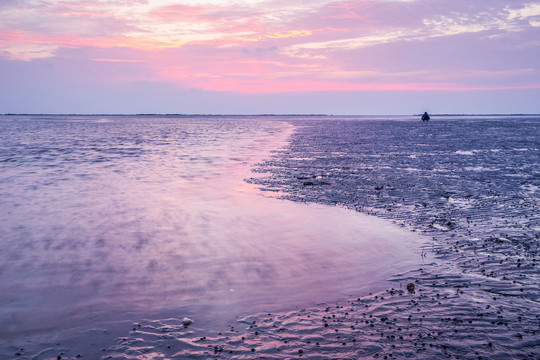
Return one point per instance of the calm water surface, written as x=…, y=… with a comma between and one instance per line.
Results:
x=110, y=219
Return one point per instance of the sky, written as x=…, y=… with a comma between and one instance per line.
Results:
x=270, y=56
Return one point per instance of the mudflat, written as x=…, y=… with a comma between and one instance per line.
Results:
x=467, y=186
x=469, y=183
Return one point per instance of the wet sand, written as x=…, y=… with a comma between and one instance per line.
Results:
x=470, y=184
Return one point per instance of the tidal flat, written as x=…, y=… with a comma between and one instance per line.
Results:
x=468, y=183
x=450, y=206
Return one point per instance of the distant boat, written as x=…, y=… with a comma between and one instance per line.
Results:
x=425, y=117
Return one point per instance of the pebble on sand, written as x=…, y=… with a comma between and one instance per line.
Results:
x=187, y=321
x=410, y=287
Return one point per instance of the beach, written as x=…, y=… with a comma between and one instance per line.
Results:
x=311, y=256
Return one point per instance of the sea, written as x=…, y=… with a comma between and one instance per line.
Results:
x=108, y=220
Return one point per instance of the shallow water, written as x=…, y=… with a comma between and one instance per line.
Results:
x=108, y=220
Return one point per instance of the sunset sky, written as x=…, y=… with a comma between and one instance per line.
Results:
x=270, y=56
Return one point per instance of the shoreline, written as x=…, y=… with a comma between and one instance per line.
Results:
x=475, y=293
x=477, y=198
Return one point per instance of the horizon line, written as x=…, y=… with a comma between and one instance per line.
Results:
x=284, y=114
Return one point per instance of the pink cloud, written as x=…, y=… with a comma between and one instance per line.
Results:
x=119, y=60
x=83, y=9
x=18, y=38
x=255, y=85
x=283, y=46
x=188, y=13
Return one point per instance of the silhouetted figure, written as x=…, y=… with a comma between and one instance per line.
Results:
x=425, y=117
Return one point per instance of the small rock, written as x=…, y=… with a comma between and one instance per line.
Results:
x=187, y=321
x=410, y=287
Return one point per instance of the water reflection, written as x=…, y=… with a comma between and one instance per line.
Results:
x=106, y=218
